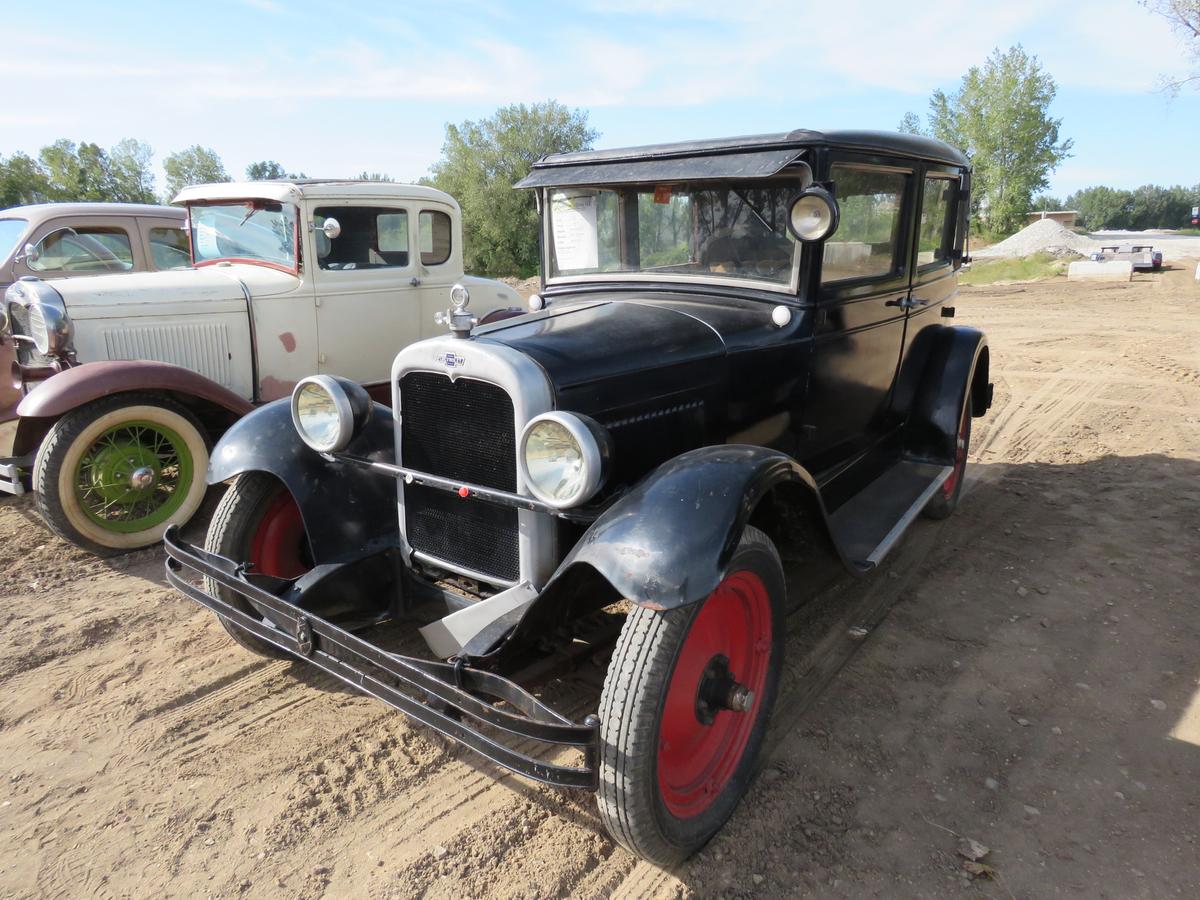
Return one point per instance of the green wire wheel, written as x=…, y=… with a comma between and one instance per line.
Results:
x=113, y=474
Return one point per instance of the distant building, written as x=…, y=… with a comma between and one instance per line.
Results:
x=1065, y=217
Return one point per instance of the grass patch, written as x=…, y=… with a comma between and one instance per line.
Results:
x=1025, y=268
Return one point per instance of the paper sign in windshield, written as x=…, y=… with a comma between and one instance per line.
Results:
x=206, y=241
x=574, y=223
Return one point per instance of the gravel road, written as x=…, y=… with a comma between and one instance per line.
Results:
x=1035, y=688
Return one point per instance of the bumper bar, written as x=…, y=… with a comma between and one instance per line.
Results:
x=12, y=479
x=455, y=700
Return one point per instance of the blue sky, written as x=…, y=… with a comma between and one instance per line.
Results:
x=335, y=88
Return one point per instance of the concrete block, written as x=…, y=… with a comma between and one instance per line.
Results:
x=1109, y=270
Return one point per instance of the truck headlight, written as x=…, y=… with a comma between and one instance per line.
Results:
x=813, y=215
x=563, y=458
x=328, y=412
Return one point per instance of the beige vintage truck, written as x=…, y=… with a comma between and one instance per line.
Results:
x=128, y=379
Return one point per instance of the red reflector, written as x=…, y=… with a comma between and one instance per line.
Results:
x=464, y=492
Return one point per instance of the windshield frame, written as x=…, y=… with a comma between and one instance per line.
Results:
x=791, y=287
x=293, y=269
x=7, y=253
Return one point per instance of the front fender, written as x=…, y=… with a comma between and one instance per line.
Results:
x=346, y=508
x=73, y=387
x=667, y=543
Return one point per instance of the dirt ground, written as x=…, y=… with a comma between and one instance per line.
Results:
x=1035, y=688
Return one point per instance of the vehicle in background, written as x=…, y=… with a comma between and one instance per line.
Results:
x=743, y=352
x=1143, y=257
x=128, y=379
x=1196, y=215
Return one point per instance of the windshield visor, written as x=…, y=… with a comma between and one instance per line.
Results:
x=704, y=231
x=10, y=233
x=252, y=231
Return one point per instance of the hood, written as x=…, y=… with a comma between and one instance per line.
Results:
x=91, y=296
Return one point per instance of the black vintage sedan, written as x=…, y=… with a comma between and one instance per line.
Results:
x=743, y=351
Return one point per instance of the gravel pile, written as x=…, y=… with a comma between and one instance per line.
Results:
x=1044, y=235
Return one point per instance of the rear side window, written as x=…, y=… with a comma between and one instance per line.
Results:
x=435, y=237
x=935, y=232
x=371, y=238
x=866, y=244
x=169, y=248
x=83, y=249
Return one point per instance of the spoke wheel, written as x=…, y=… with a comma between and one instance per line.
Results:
x=113, y=474
x=259, y=522
x=685, y=705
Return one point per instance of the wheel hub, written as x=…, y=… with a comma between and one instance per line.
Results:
x=124, y=473
x=719, y=690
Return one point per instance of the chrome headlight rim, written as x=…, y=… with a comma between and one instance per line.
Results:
x=823, y=197
x=592, y=442
x=343, y=410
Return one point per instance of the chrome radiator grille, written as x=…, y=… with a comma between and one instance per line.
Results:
x=463, y=430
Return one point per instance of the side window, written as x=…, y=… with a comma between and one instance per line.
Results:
x=866, y=242
x=435, y=237
x=935, y=233
x=372, y=237
x=169, y=248
x=84, y=249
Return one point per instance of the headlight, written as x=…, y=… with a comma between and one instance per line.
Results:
x=328, y=412
x=814, y=215
x=563, y=458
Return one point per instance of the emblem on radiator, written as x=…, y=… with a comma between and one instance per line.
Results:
x=451, y=360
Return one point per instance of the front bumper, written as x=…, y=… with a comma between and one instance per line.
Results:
x=455, y=700
x=14, y=474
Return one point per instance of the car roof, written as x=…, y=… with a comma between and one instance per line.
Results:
x=39, y=212
x=292, y=191
x=750, y=156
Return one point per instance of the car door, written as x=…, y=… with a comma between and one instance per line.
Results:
x=73, y=246
x=859, y=326
x=367, y=306
x=164, y=243
x=934, y=278
x=439, y=263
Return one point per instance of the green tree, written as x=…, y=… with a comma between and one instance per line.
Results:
x=131, y=179
x=373, y=176
x=22, y=181
x=1045, y=203
x=1102, y=207
x=1184, y=16
x=480, y=163
x=1000, y=117
x=76, y=172
x=910, y=123
x=195, y=165
x=266, y=170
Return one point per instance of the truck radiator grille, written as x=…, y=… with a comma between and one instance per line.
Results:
x=462, y=430
x=200, y=346
x=26, y=353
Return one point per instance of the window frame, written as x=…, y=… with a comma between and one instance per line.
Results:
x=326, y=208
x=901, y=265
x=449, y=245
x=84, y=228
x=952, y=178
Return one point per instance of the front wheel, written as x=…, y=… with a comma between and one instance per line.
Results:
x=685, y=706
x=111, y=475
x=945, y=501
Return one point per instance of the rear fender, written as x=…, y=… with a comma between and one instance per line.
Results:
x=955, y=370
x=347, y=509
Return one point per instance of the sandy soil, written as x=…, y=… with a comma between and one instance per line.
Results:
x=1035, y=688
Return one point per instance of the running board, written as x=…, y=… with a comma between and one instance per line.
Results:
x=868, y=525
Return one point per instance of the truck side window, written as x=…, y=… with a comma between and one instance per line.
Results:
x=865, y=244
x=372, y=237
x=935, y=233
x=435, y=237
x=84, y=249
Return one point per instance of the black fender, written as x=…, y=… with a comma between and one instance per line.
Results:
x=956, y=369
x=347, y=508
x=667, y=542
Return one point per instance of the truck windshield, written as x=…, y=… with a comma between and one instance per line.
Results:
x=246, y=231
x=10, y=232
x=709, y=231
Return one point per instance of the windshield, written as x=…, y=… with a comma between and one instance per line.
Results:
x=10, y=232
x=681, y=230
x=254, y=231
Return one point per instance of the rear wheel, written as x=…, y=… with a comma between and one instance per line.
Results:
x=111, y=475
x=685, y=706
x=257, y=522
x=945, y=501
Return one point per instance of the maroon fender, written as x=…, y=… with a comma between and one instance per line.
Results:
x=81, y=384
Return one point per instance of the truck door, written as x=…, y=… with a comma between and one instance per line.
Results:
x=367, y=306
x=439, y=263
x=859, y=331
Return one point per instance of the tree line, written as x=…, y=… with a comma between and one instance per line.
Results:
x=1149, y=206
x=66, y=171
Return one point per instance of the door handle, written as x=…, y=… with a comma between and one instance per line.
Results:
x=901, y=302
x=414, y=281
x=916, y=301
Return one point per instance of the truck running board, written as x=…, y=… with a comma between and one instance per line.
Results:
x=868, y=525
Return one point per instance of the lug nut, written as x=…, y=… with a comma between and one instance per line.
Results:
x=740, y=698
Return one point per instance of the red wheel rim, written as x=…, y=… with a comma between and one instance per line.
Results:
x=696, y=760
x=950, y=485
x=278, y=547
